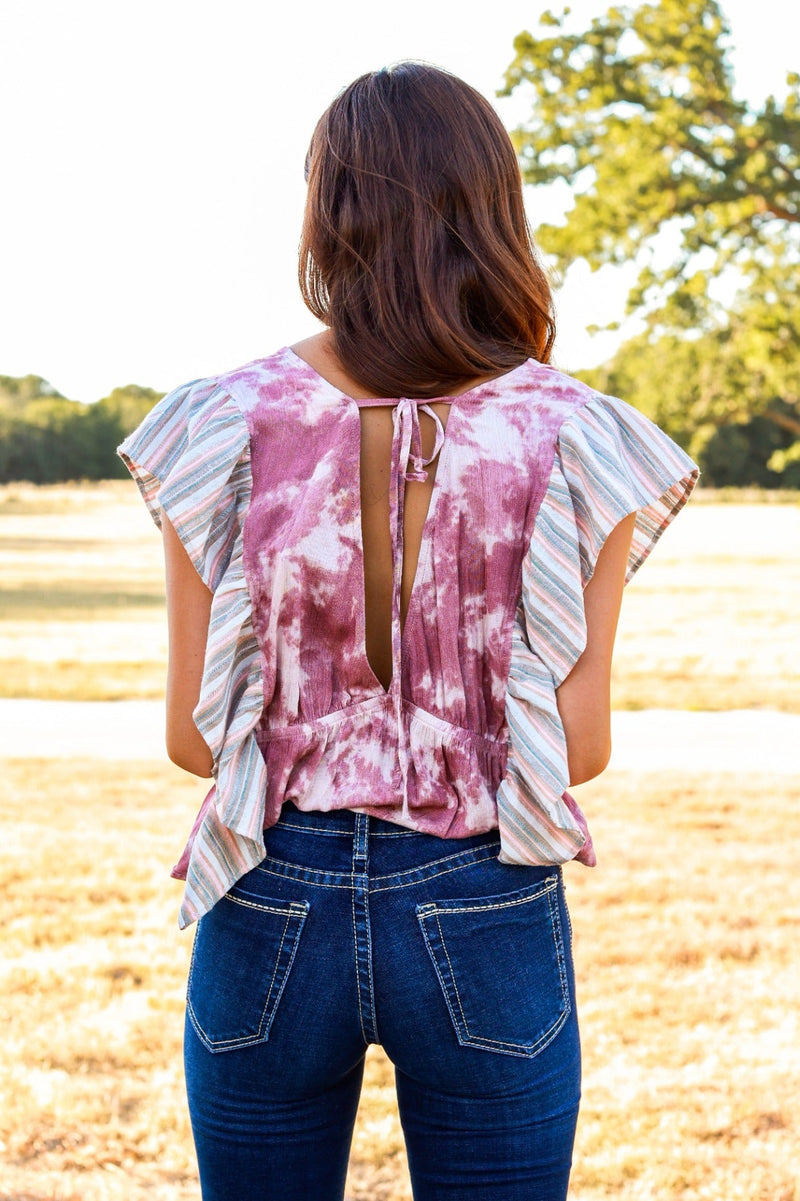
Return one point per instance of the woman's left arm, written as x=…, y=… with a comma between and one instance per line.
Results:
x=188, y=611
x=583, y=698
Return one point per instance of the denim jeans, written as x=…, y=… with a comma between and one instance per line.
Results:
x=354, y=931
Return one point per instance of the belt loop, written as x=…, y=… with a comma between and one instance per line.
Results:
x=360, y=839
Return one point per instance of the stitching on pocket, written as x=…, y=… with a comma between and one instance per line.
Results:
x=531, y=894
x=275, y=971
x=294, y=912
x=545, y=891
x=293, y=909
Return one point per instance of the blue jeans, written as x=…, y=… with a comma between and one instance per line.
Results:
x=354, y=931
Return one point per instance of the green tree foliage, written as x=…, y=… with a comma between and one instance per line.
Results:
x=676, y=382
x=109, y=421
x=17, y=391
x=637, y=114
x=47, y=439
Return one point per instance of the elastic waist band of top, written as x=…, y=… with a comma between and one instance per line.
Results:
x=343, y=822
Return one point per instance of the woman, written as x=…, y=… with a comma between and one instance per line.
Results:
x=395, y=557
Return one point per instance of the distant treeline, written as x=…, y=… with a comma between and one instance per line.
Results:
x=48, y=439
x=734, y=422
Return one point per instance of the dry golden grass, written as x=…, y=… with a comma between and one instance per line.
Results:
x=712, y=621
x=685, y=942
x=81, y=594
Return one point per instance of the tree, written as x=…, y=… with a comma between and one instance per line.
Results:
x=16, y=391
x=127, y=406
x=638, y=114
x=48, y=439
x=681, y=384
x=108, y=421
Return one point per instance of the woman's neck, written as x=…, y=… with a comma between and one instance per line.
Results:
x=319, y=353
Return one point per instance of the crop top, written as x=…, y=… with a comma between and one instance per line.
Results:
x=258, y=471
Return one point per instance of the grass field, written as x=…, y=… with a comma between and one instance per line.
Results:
x=686, y=949
x=685, y=933
x=711, y=622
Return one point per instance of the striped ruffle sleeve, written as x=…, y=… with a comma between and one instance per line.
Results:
x=191, y=460
x=186, y=458
x=610, y=461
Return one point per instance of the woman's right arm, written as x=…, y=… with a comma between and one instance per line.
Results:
x=188, y=612
x=584, y=697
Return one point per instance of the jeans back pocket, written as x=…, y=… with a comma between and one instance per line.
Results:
x=243, y=951
x=501, y=963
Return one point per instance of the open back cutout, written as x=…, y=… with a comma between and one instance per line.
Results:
x=375, y=467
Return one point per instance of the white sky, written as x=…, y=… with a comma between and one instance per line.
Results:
x=152, y=168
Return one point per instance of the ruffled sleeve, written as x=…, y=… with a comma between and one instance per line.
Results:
x=191, y=460
x=184, y=458
x=610, y=461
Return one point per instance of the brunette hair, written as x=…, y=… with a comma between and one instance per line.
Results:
x=415, y=248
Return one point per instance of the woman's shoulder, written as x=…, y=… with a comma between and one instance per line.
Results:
x=581, y=411
x=249, y=382
x=547, y=387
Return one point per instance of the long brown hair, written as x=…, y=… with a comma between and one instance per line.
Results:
x=415, y=249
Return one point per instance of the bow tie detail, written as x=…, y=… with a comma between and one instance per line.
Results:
x=406, y=425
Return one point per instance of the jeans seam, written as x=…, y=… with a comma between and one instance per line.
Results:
x=298, y=875
x=287, y=825
x=396, y=833
x=413, y=871
x=569, y=920
x=307, y=875
x=368, y=928
x=284, y=825
x=355, y=957
x=423, y=878
x=555, y=918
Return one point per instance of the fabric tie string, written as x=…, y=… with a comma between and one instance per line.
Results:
x=406, y=448
x=406, y=415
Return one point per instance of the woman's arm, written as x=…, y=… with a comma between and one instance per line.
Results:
x=584, y=698
x=188, y=610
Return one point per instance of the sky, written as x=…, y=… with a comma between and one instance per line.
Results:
x=152, y=169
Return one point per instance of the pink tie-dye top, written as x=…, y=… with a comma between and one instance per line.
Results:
x=258, y=471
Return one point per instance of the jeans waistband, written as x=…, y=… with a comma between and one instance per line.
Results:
x=345, y=846
x=346, y=821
